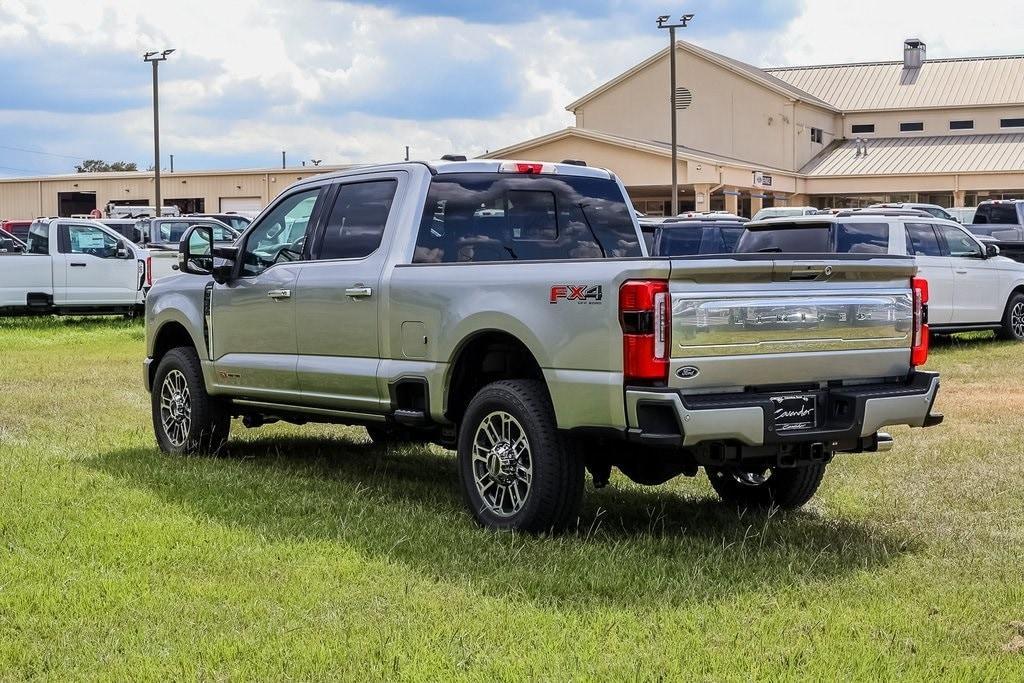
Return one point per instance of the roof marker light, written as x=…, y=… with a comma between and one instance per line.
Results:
x=527, y=167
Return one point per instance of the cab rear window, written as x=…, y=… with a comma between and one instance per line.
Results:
x=479, y=217
x=813, y=238
x=787, y=238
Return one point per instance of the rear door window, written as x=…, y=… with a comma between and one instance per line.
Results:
x=791, y=238
x=481, y=217
x=356, y=224
x=922, y=241
x=862, y=238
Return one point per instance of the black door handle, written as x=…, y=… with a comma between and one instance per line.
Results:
x=78, y=265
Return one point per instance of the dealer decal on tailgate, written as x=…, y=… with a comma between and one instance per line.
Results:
x=582, y=294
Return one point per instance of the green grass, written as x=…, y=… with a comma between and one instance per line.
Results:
x=307, y=553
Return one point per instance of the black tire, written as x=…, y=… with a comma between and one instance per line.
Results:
x=1013, y=319
x=208, y=419
x=553, y=494
x=785, y=487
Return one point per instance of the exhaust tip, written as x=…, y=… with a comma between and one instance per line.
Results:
x=885, y=442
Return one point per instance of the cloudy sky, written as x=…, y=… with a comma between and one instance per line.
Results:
x=356, y=81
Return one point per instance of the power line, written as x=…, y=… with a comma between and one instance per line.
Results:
x=24, y=170
x=36, y=151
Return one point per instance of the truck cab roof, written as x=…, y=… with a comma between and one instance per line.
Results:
x=444, y=166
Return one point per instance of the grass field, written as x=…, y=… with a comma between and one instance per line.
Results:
x=307, y=553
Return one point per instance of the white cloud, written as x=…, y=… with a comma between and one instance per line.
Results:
x=251, y=78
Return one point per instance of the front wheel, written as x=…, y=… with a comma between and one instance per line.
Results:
x=515, y=469
x=186, y=419
x=1013, y=319
x=784, y=487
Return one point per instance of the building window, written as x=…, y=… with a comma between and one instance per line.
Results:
x=961, y=125
x=863, y=128
x=1011, y=123
x=911, y=127
x=816, y=135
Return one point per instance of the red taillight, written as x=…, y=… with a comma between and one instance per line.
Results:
x=919, y=350
x=645, y=316
x=149, y=271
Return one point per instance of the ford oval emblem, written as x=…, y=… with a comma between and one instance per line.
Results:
x=687, y=372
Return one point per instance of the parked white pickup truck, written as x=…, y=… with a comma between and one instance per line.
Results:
x=74, y=266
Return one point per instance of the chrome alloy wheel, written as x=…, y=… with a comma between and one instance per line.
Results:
x=1017, y=320
x=175, y=408
x=502, y=464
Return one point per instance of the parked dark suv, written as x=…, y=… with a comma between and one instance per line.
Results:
x=693, y=234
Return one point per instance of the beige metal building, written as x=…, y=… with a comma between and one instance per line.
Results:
x=944, y=131
x=192, y=192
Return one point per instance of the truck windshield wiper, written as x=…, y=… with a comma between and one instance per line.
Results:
x=770, y=250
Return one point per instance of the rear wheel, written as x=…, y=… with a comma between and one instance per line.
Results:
x=1013, y=319
x=186, y=419
x=515, y=469
x=784, y=487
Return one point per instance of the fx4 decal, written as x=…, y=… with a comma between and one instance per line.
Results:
x=578, y=293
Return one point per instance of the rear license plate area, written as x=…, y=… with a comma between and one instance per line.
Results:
x=791, y=412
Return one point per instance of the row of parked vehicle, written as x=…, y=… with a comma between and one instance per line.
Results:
x=76, y=266
x=972, y=285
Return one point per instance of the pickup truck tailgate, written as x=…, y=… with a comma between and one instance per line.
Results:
x=758, y=320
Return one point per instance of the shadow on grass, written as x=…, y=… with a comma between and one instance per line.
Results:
x=637, y=547
x=966, y=340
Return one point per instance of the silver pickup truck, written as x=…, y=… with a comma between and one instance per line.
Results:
x=509, y=309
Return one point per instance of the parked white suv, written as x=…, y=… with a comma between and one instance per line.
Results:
x=784, y=212
x=971, y=287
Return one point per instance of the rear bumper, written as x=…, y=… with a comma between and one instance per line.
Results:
x=847, y=415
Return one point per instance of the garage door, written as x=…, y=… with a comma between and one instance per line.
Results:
x=241, y=204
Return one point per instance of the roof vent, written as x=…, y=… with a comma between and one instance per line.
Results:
x=453, y=157
x=913, y=53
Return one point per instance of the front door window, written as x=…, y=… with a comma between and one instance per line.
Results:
x=280, y=235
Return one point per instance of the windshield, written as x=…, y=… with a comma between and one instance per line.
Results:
x=680, y=241
x=173, y=231
x=39, y=238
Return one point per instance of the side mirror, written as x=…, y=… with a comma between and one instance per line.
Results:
x=197, y=255
x=122, y=252
x=991, y=250
x=195, y=252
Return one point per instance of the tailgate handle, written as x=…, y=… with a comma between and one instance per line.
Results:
x=812, y=273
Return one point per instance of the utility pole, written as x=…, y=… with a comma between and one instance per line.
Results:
x=172, y=163
x=284, y=163
x=664, y=22
x=407, y=152
x=155, y=58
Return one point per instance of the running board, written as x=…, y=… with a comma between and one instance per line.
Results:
x=308, y=410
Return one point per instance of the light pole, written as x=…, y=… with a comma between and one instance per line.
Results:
x=155, y=58
x=665, y=21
